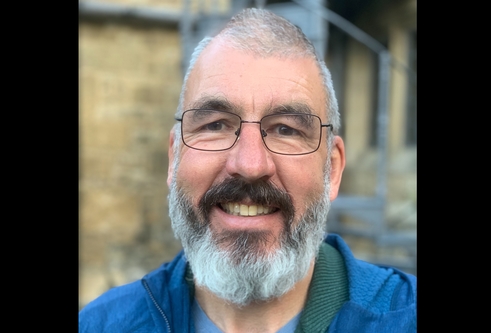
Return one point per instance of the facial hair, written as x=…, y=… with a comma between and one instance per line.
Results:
x=240, y=267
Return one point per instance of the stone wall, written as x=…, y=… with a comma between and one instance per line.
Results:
x=129, y=87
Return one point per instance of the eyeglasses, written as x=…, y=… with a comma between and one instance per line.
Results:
x=282, y=133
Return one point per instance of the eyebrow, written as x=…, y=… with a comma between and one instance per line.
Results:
x=295, y=107
x=214, y=103
x=222, y=104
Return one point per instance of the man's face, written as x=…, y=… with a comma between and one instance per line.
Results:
x=254, y=256
x=253, y=87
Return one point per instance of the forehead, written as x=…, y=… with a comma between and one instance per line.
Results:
x=224, y=77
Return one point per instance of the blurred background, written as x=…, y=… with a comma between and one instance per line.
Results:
x=132, y=58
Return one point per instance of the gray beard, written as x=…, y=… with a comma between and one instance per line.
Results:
x=258, y=275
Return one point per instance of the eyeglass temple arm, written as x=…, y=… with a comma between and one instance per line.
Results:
x=327, y=125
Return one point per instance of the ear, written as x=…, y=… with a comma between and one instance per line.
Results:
x=338, y=162
x=170, y=170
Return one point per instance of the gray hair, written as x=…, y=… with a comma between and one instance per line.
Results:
x=265, y=34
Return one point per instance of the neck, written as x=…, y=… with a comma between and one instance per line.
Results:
x=267, y=316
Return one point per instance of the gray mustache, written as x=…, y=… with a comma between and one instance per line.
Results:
x=237, y=189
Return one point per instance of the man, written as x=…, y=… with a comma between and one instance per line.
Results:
x=254, y=162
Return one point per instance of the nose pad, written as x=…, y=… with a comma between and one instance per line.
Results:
x=237, y=132
x=263, y=133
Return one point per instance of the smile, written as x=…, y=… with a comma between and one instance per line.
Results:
x=235, y=208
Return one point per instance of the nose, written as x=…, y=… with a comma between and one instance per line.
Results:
x=249, y=158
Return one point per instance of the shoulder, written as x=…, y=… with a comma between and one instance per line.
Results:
x=130, y=308
x=382, y=299
x=118, y=308
x=383, y=288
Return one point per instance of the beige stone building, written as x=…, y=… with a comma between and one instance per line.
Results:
x=355, y=69
x=130, y=69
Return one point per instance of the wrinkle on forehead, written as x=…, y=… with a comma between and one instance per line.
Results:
x=301, y=82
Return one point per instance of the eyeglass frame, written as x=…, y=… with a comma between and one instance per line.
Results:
x=261, y=131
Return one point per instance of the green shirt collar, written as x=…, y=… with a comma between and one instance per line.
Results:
x=328, y=291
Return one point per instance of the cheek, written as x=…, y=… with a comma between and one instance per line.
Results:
x=304, y=180
x=197, y=172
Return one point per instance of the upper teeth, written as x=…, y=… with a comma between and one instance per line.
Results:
x=236, y=208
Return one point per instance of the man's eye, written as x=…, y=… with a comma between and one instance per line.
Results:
x=286, y=130
x=214, y=126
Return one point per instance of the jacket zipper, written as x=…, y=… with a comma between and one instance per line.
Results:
x=157, y=305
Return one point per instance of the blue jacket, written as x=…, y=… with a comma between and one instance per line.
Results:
x=381, y=300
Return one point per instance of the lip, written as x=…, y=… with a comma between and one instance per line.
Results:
x=223, y=220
